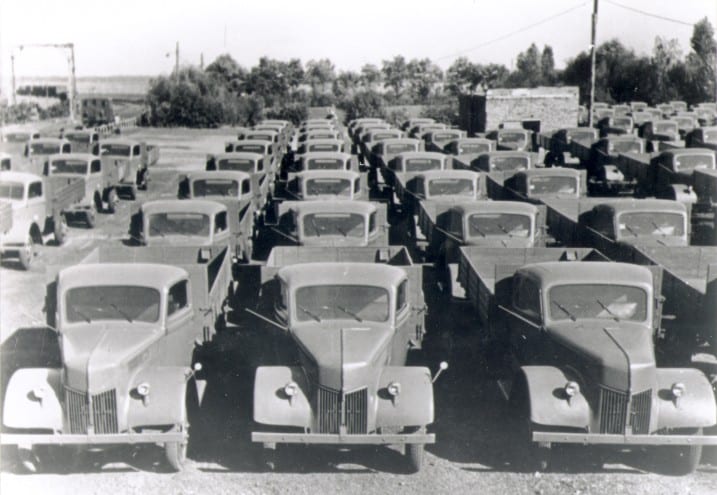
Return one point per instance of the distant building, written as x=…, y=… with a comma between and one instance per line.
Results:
x=542, y=108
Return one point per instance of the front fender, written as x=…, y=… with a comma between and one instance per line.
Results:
x=165, y=404
x=272, y=406
x=414, y=404
x=680, y=192
x=695, y=409
x=23, y=409
x=548, y=404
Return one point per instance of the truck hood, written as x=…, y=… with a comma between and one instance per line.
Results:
x=348, y=355
x=614, y=354
x=92, y=354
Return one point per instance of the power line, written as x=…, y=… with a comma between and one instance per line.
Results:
x=512, y=33
x=669, y=19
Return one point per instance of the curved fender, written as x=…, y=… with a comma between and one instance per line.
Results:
x=414, y=404
x=548, y=404
x=166, y=400
x=23, y=409
x=682, y=193
x=18, y=233
x=695, y=409
x=272, y=406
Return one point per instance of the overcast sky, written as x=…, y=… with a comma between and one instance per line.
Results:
x=134, y=37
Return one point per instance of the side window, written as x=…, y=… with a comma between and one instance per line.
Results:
x=402, y=297
x=95, y=166
x=220, y=222
x=246, y=186
x=260, y=164
x=136, y=150
x=455, y=226
x=66, y=148
x=357, y=186
x=177, y=298
x=372, y=222
x=526, y=297
x=35, y=190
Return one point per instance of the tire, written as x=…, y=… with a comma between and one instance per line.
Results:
x=535, y=457
x=112, y=201
x=414, y=456
x=60, y=231
x=27, y=253
x=132, y=193
x=142, y=178
x=90, y=218
x=176, y=452
x=679, y=460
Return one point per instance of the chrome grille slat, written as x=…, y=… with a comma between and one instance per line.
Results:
x=104, y=412
x=640, y=412
x=328, y=408
x=77, y=410
x=356, y=405
x=354, y=408
x=613, y=412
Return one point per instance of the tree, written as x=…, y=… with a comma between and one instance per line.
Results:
x=320, y=74
x=346, y=84
x=463, y=76
x=395, y=74
x=666, y=55
x=365, y=104
x=228, y=73
x=273, y=79
x=528, y=71
x=423, y=76
x=701, y=61
x=370, y=76
x=547, y=66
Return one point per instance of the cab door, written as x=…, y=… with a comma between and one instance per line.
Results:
x=524, y=321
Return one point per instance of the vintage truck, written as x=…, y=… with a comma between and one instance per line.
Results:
x=656, y=131
x=397, y=171
x=355, y=125
x=536, y=185
x=437, y=185
x=414, y=121
x=668, y=174
x=130, y=323
x=686, y=123
x=132, y=160
x=557, y=144
x=314, y=145
x=324, y=184
x=383, y=152
x=38, y=210
x=512, y=139
x=83, y=140
x=271, y=162
x=576, y=340
x=14, y=141
x=600, y=160
x=436, y=140
x=615, y=225
x=369, y=138
x=227, y=184
x=616, y=125
x=271, y=135
x=37, y=151
x=330, y=223
x=254, y=164
x=702, y=137
x=196, y=222
x=348, y=318
x=418, y=130
x=495, y=161
x=326, y=160
x=468, y=146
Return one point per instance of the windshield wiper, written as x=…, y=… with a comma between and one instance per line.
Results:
x=565, y=310
x=342, y=231
x=120, y=311
x=350, y=313
x=477, y=229
x=659, y=229
x=602, y=305
x=631, y=230
x=156, y=231
x=83, y=315
x=500, y=226
x=316, y=227
x=310, y=313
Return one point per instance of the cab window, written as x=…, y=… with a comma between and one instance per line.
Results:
x=357, y=186
x=220, y=222
x=526, y=297
x=402, y=297
x=246, y=187
x=95, y=166
x=372, y=222
x=260, y=165
x=35, y=190
x=135, y=150
x=177, y=298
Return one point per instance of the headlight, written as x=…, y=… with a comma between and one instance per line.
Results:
x=291, y=389
x=572, y=389
x=393, y=389
x=143, y=389
x=678, y=390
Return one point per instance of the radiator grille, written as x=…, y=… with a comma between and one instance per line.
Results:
x=103, y=411
x=334, y=413
x=613, y=412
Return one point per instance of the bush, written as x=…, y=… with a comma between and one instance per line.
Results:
x=192, y=99
x=364, y=104
x=293, y=112
x=444, y=112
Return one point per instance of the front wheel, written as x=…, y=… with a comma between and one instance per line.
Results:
x=679, y=460
x=112, y=201
x=27, y=253
x=414, y=456
x=176, y=452
x=60, y=231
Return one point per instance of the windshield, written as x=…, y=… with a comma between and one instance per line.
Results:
x=511, y=137
x=17, y=137
x=622, y=122
x=626, y=146
x=421, y=164
x=78, y=138
x=342, y=302
x=250, y=148
x=241, y=165
x=473, y=147
x=450, y=187
x=115, y=149
x=334, y=224
x=621, y=302
x=442, y=138
x=11, y=190
x=666, y=127
x=693, y=161
x=325, y=164
x=182, y=223
x=215, y=187
x=498, y=224
x=334, y=187
x=581, y=135
x=44, y=148
x=324, y=147
x=114, y=302
x=651, y=223
x=507, y=163
x=400, y=148
x=553, y=185
x=69, y=167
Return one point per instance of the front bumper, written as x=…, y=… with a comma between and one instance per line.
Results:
x=605, y=439
x=334, y=439
x=29, y=439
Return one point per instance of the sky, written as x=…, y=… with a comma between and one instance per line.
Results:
x=138, y=37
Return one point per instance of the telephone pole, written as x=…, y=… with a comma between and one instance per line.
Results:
x=593, y=50
x=176, y=61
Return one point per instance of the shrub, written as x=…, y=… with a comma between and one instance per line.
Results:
x=364, y=104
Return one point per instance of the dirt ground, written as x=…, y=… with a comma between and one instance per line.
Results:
x=476, y=451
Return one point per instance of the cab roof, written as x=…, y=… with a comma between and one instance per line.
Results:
x=431, y=155
x=429, y=175
x=74, y=156
x=594, y=272
x=338, y=273
x=204, y=206
x=134, y=274
x=550, y=172
x=240, y=155
x=504, y=153
x=338, y=155
x=23, y=177
x=688, y=151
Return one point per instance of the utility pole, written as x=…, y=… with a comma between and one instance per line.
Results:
x=12, y=70
x=201, y=60
x=593, y=50
x=73, y=83
x=176, y=61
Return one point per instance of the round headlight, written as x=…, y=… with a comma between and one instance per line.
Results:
x=290, y=389
x=393, y=389
x=143, y=389
x=678, y=390
x=572, y=389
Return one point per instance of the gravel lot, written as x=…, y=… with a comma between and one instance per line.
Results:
x=476, y=449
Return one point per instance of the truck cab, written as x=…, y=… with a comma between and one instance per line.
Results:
x=327, y=184
x=498, y=161
x=512, y=139
x=468, y=146
x=39, y=150
x=327, y=160
x=131, y=160
x=703, y=137
x=436, y=140
x=540, y=183
x=14, y=142
x=83, y=141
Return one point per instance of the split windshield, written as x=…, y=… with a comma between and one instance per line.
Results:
x=399, y=148
x=179, y=223
x=450, y=187
x=651, y=223
x=45, y=148
x=615, y=302
x=69, y=167
x=334, y=224
x=666, y=127
x=215, y=187
x=11, y=190
x=498, y=224
x=506, y=163
x=120, y=302
x=553, y=185
x=331, y=187
x=421, y=164
x=236, y=164
x=473, y=147
x=115, y=149
x=684, y=163
x=325, y=164
x=342, y=302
